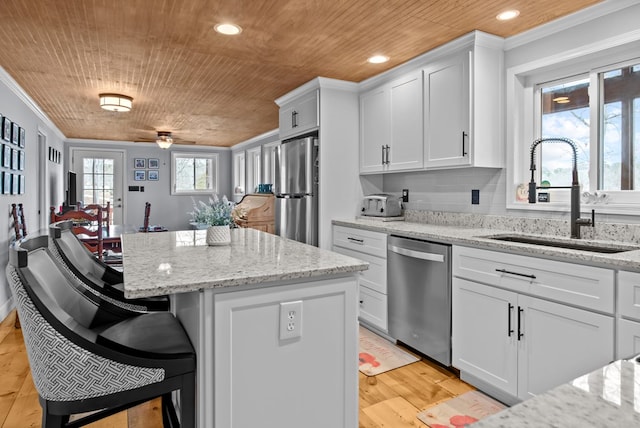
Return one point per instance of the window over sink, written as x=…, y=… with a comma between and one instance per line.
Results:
x=593, y=100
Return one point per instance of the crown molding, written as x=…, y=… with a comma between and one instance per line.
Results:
x=273, y=135
x=560, y=24
x=318, y=83
x=14, y=87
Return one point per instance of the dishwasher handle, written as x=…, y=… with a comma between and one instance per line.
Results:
x=417, y=254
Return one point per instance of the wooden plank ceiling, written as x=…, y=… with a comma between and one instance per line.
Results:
x=219, y=90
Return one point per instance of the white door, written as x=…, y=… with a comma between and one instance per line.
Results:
x=100, y=179
x=561, y=344
x=485, y=333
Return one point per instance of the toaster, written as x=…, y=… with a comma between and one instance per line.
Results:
x=381, y=205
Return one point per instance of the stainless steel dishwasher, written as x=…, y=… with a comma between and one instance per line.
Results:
x=419, y=295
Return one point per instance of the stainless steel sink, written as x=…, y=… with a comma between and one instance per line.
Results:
x=567, y=244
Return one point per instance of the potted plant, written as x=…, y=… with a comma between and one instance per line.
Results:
x=216, y=217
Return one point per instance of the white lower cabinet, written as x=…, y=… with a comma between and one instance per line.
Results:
x=516, y=343
x=628, y=343
x=372, y=284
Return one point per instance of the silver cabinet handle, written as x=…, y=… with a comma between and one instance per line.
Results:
x=294, y=119
x=355, y=240
x=417, y=254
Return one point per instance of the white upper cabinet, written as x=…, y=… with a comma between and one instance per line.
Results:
x=462, y=106
x=391, y=126
x=446, y=110
x=375, y=131
x=299, y=116
x=406, y=123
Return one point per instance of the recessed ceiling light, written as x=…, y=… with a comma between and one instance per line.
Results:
x=228, y=29
x=378, y=59
x=507, y=15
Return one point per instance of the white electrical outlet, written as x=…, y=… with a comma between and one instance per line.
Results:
x=290, y=320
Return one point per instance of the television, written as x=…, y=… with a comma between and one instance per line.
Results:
x=72, y=189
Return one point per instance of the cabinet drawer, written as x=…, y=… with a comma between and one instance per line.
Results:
x=364, y=241
x=585, y=286
x=629, y=294
x=375, y=277
x=373, y=308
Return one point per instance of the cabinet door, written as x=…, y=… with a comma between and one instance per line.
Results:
x=559, y=343
x=299, y=116
x=406, y=147
x=484, y=333
x=374, y=129
x=446, y=110
x=628, y=339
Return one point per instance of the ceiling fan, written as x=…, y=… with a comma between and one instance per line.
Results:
x=164, y=140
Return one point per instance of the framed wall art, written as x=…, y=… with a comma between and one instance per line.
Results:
x=14, y=159
x=6, y=183
x=153, y=175
x=139, y=175
x=15, y=184
x=21, y=160
x=15, y=133
x=6, y=156
x=21, y=139
x=139, y=163
x=22, y=184
x=153, y=164
x=6, y=129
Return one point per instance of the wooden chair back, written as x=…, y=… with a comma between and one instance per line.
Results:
x=86, y=223
x=147, y=214
x=19, y=224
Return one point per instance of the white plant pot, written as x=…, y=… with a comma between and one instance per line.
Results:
x=218, y=235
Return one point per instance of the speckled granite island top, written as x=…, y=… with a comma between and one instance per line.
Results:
x=181, y=261
x=480, y=238
x=607, y=397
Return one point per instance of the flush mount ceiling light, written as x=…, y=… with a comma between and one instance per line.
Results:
x=164, y=139
x=507, y=15
x=228, y=29
x=378, y=59
x=115, y=102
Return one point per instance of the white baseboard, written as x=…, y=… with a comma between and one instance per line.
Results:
x=6, y=308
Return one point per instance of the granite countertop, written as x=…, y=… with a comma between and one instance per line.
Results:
x=479, y=238
x=181, y=261
x=607, y=397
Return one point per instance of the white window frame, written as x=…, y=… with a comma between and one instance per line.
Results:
x=214, y=178
x=523, y=121
x=253, y=168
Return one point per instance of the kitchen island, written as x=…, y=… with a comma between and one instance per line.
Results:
x=607, y=397
x=273, y=322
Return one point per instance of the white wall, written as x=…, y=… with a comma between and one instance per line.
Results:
x=167, y=210
x=22, y=110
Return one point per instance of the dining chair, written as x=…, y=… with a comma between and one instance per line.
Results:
x=20, y=228
x=95, y=274
x=19, y=224
x=83, y=361
x=147, y=214
x=87, y=224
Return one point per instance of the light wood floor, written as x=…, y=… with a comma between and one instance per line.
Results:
x=389, y=400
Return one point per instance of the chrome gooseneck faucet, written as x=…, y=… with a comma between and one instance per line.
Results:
x=575, y=220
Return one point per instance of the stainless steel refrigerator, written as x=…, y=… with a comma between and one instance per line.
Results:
x=296, y=190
